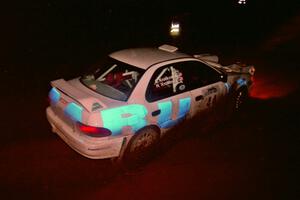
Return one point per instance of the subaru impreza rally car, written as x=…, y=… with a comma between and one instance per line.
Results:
x=134, y=96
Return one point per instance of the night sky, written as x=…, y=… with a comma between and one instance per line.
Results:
x=77, y=31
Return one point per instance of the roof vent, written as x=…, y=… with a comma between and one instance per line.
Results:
x=168, y=48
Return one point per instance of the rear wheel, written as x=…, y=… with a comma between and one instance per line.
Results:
x=142, y=145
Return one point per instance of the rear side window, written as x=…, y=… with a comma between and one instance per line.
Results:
x=113, y=79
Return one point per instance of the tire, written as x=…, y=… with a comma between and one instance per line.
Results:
x=142, y=146
x=239, y=99
x=233, y=104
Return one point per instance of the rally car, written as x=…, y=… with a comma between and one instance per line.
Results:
x=132, y=97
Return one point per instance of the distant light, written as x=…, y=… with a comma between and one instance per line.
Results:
x=242, y=2
x=175, y=29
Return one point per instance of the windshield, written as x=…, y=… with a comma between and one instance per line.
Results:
x=113, y=79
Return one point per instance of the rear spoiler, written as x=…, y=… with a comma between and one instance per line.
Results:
x=85, y=100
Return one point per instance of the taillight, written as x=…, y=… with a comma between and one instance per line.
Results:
x=93, y=131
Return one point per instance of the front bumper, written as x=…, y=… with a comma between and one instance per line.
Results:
x=90, y=147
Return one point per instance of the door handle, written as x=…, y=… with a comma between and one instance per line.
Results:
x=198, y=98
x=156, y=112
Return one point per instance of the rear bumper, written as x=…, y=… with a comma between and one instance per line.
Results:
x=94, y=148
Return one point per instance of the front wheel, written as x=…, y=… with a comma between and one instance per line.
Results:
x=239, y=99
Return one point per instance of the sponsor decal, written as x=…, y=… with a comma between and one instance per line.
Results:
x=165, y=80
x=74, y=111
x=134, y=116
x=182, y=87
x=164, y=119
x=96, y=106
x=211, y=101
x=54, y=95
x=211, y=91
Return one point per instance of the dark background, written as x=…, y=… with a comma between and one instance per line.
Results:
x=252, y=156
x=76, y=31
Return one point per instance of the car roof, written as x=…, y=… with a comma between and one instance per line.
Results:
x=146, y=57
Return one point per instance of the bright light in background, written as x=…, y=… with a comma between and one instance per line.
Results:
x=175, y=29
x=242, y=2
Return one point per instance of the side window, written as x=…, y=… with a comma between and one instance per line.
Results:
x=166, y=81
x=200, y=74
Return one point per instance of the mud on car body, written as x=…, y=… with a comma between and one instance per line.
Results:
x=134, y=96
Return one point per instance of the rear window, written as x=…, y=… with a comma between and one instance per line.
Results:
x=112, y=78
